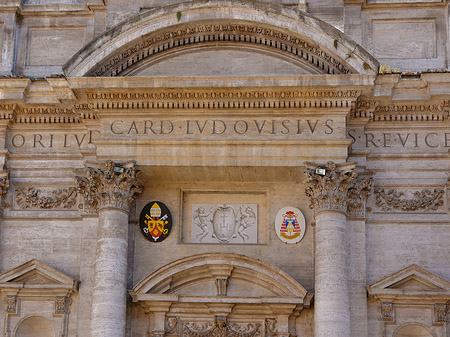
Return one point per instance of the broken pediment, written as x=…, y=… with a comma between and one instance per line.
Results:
x=408, y=283
x=36, y=275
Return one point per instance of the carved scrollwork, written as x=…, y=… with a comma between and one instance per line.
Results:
x=11, y=304
x=271, y=327
x=426, y=200
x=387, y=312
x=330, y=187
x=113, y=185
x=31, y=197
x=221, y=329
x=62, y=305
x=172, y=325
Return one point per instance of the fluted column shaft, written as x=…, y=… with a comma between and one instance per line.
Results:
x=109, y=190
x=334, y=191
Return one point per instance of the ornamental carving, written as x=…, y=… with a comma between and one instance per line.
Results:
x=111, y=185
x=387, y=312
x=271, y=327
x=30, y=197
x=440, y=313
x=333, y=187
x=11, y=304
x=221, y=328
x=4, y=186
x=422, y=200
x=216, y=33
x=172, y=325
x=62, y=305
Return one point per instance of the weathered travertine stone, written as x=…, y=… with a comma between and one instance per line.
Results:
x=110, y=191
x=334, y=190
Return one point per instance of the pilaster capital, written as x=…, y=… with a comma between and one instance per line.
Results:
x=109, y=185
x=337, y=187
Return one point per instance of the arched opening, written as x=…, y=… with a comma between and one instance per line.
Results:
x=413, y=330
x=35, y=326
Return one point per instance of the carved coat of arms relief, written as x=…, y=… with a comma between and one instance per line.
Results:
x=224, y=223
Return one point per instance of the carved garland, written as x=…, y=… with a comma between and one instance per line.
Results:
x=221, y=329
x=214, y=33
x=427, y=200
x=32, y=197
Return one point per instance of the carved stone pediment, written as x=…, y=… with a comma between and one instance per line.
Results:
x=413, y=282
x=33, y=275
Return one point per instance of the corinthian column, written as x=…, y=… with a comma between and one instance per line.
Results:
x=109, y=190
x=331, y=189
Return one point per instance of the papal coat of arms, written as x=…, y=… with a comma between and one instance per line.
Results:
x=214, y=223
x=290, y=225
x=155, y=221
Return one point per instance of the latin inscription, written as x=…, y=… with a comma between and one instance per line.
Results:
x=217, y=127
x=43, y=140
x=399, y=140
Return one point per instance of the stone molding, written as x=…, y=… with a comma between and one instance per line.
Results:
x=373, y=110
x=109, y=185
x=30, y=197
x=423, y=200
x=220, y=98
x=216, y=33
x=339, y=188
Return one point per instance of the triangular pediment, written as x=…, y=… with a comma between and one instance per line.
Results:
x=34, y=274
x=410, y=281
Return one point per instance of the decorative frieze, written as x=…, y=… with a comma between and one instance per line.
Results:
x=30, y=197
x=426, y=200
x=221, y=328
x=4, y=186
x=110, y=185
x=337, y=187
x=218, y=98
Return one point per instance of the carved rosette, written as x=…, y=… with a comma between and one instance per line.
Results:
x=111, y=185
x=337, y=187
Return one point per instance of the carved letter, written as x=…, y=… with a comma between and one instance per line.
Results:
x=386, y=140
x=312, y=128
x=245, y=127
x=36, y=140
x=351, y=136
x=260, y=127
x=224, y=127
x=115, y=131
x=370, y=140
x=170, y=124
x=79, y=142
x=329, y=126
x=285, y=124
x=22, y=141
x=426, y=139
x=403, y=141
x=148, y=127
x=133, y=127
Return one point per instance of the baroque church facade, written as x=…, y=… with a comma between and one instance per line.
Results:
x=225, y=168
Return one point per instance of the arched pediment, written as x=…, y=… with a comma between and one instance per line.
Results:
x=204, y=277
x=217, y=38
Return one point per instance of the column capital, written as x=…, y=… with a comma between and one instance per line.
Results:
x=109, y=185
x=337, y=187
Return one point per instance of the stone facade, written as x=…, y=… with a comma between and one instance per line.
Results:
x=154, y=152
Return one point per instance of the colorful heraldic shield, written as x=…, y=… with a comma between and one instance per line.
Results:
x=290, y=225
x=155, y=221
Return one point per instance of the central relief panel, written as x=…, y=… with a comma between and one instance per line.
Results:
x=217, y=217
